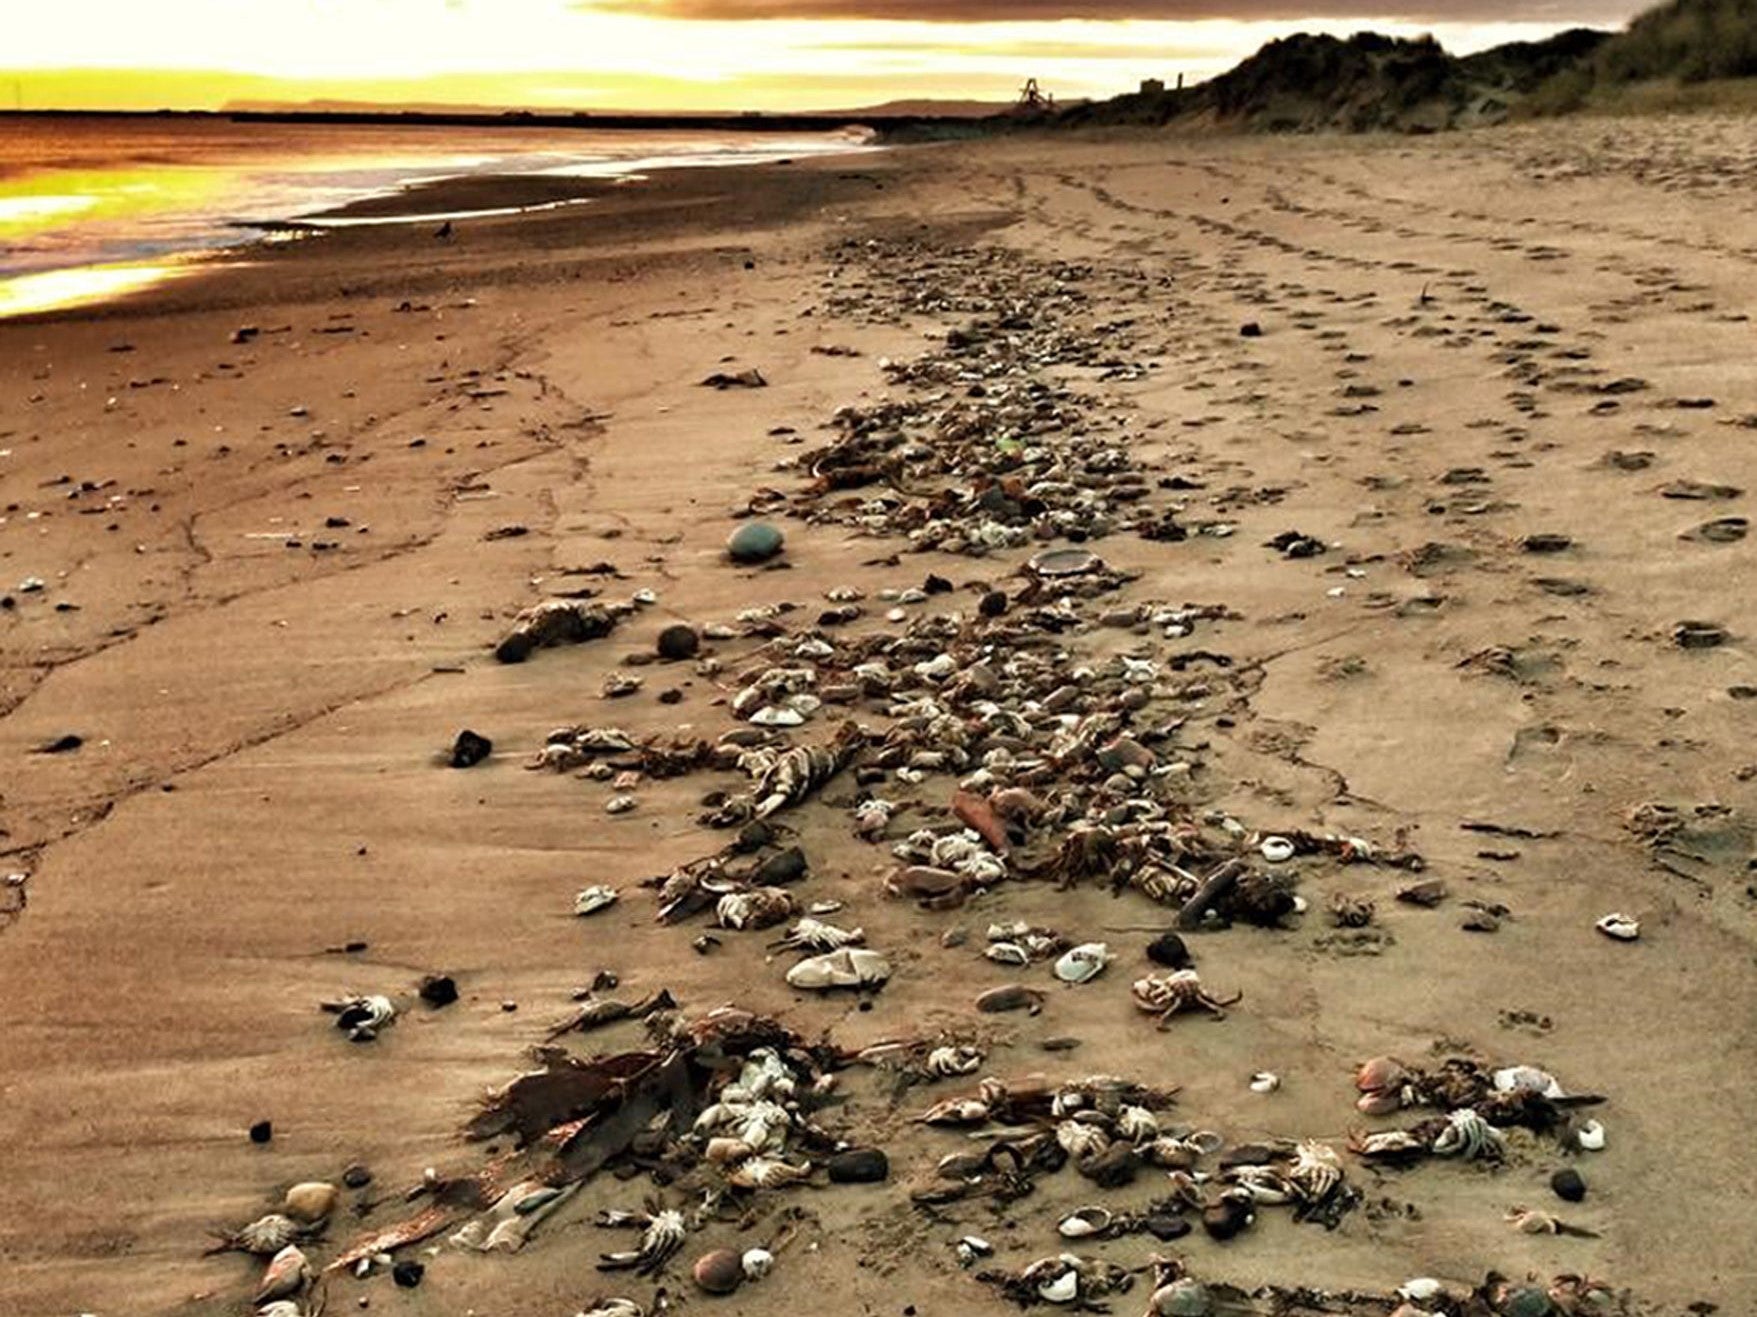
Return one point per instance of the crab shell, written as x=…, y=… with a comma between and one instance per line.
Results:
x=1084, y=963
x=956, y=1111
x=945, y=1062
x=760, y=907
x=267, y=1235
x=1080, y=1140
x=769, y=1173
x=846, y=967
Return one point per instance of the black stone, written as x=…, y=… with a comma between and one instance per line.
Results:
x=787, y=866
x=439, y=990
x=1250, y=329
x=407, y=1274
x=1168, y=949
x=470, y=749
x=61, y=744
x=262, y=1131
x=993, y=604
x=679, y=642
x=356, y=1176
x=1569, y=1185
x=859, y=1166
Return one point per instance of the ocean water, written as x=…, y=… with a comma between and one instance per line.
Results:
x=93, y=207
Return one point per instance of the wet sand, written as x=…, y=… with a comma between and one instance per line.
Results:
x=272, y=575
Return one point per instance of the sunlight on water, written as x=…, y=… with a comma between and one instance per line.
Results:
x=54, y=290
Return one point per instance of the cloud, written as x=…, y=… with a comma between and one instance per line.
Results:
x=1549, y=13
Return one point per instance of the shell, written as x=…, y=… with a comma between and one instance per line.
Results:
x=1265, y=1081
x=769, y=1173
x=945, y=1062
x=1007, y=953
x=267, y=1235
x=1084, y=963
x=1181, y=1298
x=312, y=1201
x=280, y=1308
x=614, y=1308
x=1421, y=1289
x=1527, y=1079
x=1085, y=1221
x=1621, y=927
x=760, y=907
x=1276, y=850
x=1590, y=1136
x=1065, y=1288
x=757, y=1263
x=846, y=967
x=288, y=1273
x=1080, y=1140
x=718, y=1272
x=593, y=899
x=1137, y=1124
x=956, y=1111
x=1381, y=1074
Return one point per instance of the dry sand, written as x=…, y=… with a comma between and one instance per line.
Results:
x=265, y=694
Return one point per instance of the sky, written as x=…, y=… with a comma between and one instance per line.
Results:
x=684, y=54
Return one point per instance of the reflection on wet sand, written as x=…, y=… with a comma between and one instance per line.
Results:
x=50, y=290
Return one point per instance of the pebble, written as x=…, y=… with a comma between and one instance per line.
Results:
x=407, y=1274
x=356, y=1175
x=1168, y=949
x=1569, y=1185
x=756, y=541
x=262, y=1131
x=719, y=1272
x=310, y=1202
x=859, y=1166
x=439, y=990
x=679, y=642
x=470, y=749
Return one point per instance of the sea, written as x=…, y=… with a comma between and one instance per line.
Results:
x=92, y=207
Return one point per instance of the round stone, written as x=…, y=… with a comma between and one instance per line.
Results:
x=1168, y=949
x=262, y=1131
x=719, y=1272
x=755, y=541
x=1568, y=1184
x=357, y=1175
x=679, y=642
x=310, y=1202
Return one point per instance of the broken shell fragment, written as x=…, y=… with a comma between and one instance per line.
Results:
x=1622, y=927
x=1590, y=1136
x=848, y=967
x=1084, y=963
x=593, y=899
x=1265, y=1081
x=1065, y=562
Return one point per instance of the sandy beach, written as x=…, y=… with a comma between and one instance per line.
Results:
x=261, y=528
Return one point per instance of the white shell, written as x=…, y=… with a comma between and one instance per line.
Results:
x=1622, y=927
x=615, y=1308
x=1265, y=1081
x=1421, y=1289
x=1527, y=1078
x=757, y=1262
x=1591, y=1136
x=1083, y=963
x=1276, y=850
x=280, y=1308
x=1065, y=1288
x=1007, y=953
x=1084, y=1221
x=620, y=804
x=593, y=899
x=849, y=967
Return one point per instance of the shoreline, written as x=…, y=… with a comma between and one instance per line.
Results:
x=322, y=528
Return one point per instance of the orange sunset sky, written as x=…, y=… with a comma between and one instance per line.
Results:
x=681, y=54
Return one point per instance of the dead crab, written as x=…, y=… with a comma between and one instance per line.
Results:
x=1469, y=1136
x=1166, y=995
x=662, y=1235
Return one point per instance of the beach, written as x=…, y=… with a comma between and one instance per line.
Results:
x=262, y=526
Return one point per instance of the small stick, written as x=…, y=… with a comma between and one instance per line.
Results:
x=1214, y=886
